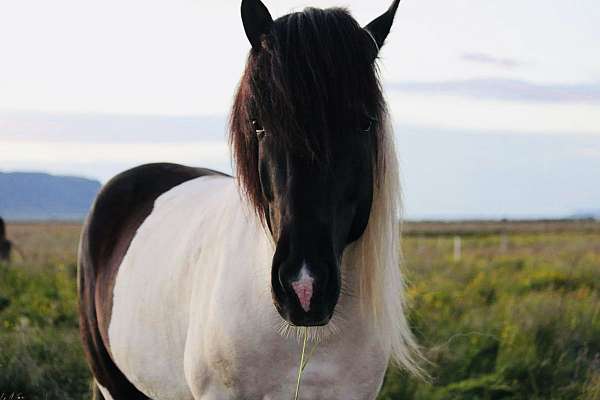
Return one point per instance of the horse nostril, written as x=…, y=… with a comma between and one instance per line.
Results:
x=303, y=287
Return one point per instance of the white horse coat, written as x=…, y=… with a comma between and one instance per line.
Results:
x=197, y=321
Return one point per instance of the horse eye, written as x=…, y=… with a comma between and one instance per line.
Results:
x=366, y=124
x=258, y=128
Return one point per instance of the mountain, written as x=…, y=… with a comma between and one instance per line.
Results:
x=38, y=196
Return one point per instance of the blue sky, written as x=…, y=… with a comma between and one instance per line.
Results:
x=496, y=104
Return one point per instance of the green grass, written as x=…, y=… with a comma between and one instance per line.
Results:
x=517, y=317
x=40, y=350
x=513, y=321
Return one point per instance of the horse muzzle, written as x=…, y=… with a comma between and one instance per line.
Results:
x=305, y=293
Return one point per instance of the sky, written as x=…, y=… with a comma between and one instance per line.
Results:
x=496, y=105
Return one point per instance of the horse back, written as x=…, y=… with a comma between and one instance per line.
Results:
x=120, y=208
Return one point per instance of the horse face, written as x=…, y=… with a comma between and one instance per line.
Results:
x=314, y=211
x=305, y=146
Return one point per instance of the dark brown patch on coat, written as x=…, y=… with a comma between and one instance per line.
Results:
x=120, y=208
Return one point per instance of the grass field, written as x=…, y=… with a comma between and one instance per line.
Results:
x=515, y=315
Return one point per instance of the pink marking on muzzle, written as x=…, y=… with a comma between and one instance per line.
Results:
x=304, y=290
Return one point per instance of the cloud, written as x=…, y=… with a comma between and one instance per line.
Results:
x=482, y=58
x=103, y=160
x=589, y=152
x=110, y=128
x=507, y=90
x=447, y=111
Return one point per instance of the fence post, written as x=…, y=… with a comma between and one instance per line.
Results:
x=504, y=243
x=457, y=248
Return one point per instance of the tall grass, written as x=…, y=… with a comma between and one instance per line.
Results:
x=40, y=350
x=512, y=320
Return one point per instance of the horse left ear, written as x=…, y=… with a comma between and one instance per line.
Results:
x=380, y=27
x=257, y=21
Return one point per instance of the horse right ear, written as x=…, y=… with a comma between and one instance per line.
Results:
x=257, y=21
x=380, y=27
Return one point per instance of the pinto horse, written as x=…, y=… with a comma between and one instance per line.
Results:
x=197, y=285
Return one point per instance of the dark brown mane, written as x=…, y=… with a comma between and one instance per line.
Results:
x=312, y=80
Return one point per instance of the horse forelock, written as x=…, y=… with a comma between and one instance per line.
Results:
x=311, y=82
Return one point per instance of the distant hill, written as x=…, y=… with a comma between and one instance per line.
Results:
x=586, y=214
x=38, y=196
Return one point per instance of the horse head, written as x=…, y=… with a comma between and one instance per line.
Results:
x=306, y=132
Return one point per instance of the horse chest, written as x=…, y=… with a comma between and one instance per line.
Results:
x=244, y=357
x=336, y=371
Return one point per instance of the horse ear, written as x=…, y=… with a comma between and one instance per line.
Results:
x=380, y=27
x=257, y=21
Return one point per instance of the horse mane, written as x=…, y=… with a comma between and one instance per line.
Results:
x=2, y=229
x=377, y=258
x=313, y=77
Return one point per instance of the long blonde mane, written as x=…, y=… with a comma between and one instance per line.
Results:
x=376, y=257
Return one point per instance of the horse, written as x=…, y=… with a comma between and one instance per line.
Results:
x=5, y=244
x=194, y=284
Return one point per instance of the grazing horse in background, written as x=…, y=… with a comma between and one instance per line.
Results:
x=196, y=285
x=5, y=245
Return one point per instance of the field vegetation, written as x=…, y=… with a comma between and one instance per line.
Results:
x=515, y=314
x=40, y=351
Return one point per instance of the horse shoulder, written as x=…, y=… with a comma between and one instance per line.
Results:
x=157, y=278
x=120, y=209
